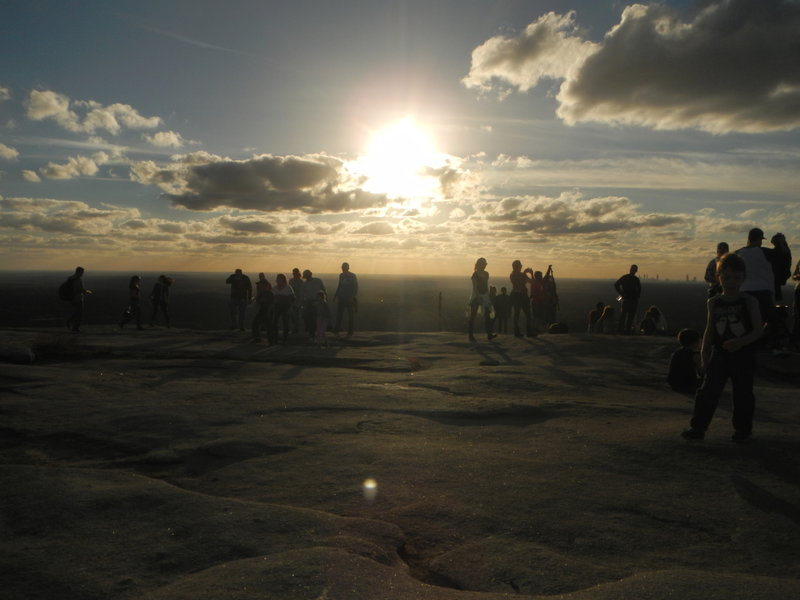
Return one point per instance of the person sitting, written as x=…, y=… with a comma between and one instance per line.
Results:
x=684, y=364
x=653, y=322
x=605, y=324
x=594, y=316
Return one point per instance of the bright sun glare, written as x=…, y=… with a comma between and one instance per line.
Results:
x=396, y=161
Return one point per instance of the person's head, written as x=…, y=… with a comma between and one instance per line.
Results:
x=503, y=290
x=653, y=311
x=516, y=265
x=306, y=274
x=262, y=277
x=480, y=264
x=78, y=271
x=280, y=279
x=689, y=338
x=345, y=267
x=238, y=272
x=296, y=273
x=634, y=269
x=722, y=248
x=492, y=290
x=731, y=272
x=755, y=237
x=134, y=280
x=537, y=275
x=779, y=241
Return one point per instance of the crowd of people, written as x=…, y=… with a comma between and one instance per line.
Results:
x=533, y=295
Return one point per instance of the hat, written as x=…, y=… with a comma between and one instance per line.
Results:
x=755, y=234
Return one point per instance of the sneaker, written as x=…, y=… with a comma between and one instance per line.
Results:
x=693, y=434
x=740, y=436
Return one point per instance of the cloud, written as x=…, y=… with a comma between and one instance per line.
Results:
x=30, y=176
x=164, y=139
x=75, y=166
x=376, y=228
x=8, y=153
x=58, y=216
x=5, y=94
x=570, y=213
x=546, y=49
x=732, y=68
x=266, y=183
x=51, y=105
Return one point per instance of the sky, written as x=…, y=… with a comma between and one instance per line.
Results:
x=401, y=136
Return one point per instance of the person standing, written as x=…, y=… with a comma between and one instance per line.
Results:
x=759, y=280
x=134, y=310
x=502, y=310
x=781, y=264
x=283, y=297
x=74, y=294
x=296, y=283
x=480, y=300
x=311, y=288
x=241, y=295
x=263, y=317
x=345, y=297
x=710, y=276
x=159, y=298
x=629, y=289
x=519, y=297
x=733, y=325
x=796, y=308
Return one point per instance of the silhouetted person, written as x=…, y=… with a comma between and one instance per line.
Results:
x=594, y=317
x=684, y=364
x=76, y=292
x=159, y=297
x=653, y=322
x=710, y=276
x=733, y=325
x=796, y=308
x=538, y=301
x=134, y=310
x=283, y=298
x=241, y=295
x=296, y=282
x=629, y=289
x=311, y=288
x=479, y=299
x=345, y=297
x=551, y=297
x=519, y=297
x=781, y=264
x=502, y=310
x=605, y=324
x=323, y=318
x=263, y=318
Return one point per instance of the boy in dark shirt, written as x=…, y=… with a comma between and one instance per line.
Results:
x=733, y=325
x=684, y=367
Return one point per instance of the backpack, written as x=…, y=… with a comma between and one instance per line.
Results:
x=66, y=290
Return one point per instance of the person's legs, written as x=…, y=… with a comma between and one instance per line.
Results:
x=473, y=311
x=340, y=306
x=707, y=396
x=351, y=314
x=743, y=370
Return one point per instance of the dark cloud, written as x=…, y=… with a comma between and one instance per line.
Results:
x=313, y=184
x=732, y=66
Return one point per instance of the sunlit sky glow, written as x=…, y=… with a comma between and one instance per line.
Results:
x=400, y=136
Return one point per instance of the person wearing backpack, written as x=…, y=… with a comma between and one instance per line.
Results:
x=72, y=291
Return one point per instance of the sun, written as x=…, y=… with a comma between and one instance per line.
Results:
x=399, y=160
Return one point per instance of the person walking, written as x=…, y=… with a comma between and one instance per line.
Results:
x=134, y=310
x=345, y=297
x=629, y=289
x=159, y=297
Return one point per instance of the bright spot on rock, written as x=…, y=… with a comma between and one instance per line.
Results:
x=370, y=489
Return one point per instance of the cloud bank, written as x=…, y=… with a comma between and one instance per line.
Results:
x=731, y=68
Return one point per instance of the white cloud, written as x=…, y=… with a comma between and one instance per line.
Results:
x=733, y=67
x=8, y=153
x=76, y=166
x=51, y=105
x=5, y=94
x=30, y=176
x=58, y=216
x=164, y=139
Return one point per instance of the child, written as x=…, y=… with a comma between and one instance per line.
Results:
x=684, y=365
x=594, y=316
x=323, y=318
x=733, y=325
